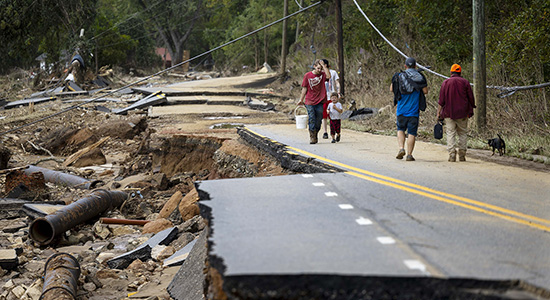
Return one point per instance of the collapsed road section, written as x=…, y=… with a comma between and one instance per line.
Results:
x=279, y=238
x=269, y=242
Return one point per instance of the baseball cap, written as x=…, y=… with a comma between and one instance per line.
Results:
x=456, y=68
x=410, y=62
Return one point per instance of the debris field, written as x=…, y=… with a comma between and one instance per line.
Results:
x=98, y=201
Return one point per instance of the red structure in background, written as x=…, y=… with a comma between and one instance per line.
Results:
x=166, y=58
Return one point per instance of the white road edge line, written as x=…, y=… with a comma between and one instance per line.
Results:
x=415, y=265
x=307, y=175
x=385, y=240
x=363, y=221
x=318, y=184
x=345, y=206
x=331, y=194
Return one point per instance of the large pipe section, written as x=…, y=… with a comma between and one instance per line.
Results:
x=63, y=178
x=61, y=274
x=43, y=230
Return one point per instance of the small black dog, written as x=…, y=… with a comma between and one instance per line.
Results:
x=497, y=144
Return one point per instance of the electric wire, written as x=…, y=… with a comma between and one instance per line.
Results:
x=165, y=30
x=507, y=91
x=162, y=71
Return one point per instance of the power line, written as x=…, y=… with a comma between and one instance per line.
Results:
x=163, y=71
x=507, y=90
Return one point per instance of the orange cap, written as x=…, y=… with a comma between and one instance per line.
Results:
x=456, y=68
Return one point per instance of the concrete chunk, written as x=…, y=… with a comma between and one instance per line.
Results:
x=143, y=252
x=8, y=259
x=40, y=210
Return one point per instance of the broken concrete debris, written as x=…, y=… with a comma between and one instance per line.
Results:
x=61, y=275
x=38, y=210
x=167, y=172
x=143, y=252
x=8, y=259
x=44, y=230
x=11, y=208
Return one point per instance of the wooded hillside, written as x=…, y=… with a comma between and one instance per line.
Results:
x=125, y=33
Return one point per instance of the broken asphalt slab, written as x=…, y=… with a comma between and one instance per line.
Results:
x=10, y=208
x=180, y=256
x=143, y=252
x=189, y=283
x=28, y=101
x=156, y=98
x=37, y=210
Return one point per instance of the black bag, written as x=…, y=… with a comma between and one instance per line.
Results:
x=395, y=88
x=438, y=130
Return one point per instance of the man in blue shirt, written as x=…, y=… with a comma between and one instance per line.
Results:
x=411, y=84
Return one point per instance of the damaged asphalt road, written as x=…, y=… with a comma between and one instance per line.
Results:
x=186, y=167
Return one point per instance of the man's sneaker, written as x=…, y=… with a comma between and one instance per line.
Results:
x=333, y=141
x=325, y=135
x=338, y=138
x=400, y=154
x=410, y=158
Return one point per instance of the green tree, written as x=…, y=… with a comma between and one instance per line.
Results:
x=264, y=46
x=174, y=22
x=121, y=37
x=519, y=40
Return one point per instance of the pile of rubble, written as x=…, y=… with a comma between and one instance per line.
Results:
x=133, y=242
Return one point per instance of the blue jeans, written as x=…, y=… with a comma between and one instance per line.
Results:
x=315, y=116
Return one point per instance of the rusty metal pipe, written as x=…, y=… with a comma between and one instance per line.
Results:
x=61, y=274
x=44, y=230
x=63, y=178
x=123, y=221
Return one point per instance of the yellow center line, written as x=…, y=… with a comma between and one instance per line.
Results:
x=436, y=195
x=430, y=193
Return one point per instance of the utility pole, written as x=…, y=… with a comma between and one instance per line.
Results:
x=284, y=50
x=480, y=74
x=340, y=37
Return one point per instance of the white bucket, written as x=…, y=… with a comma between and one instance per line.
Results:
x=301, y=120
